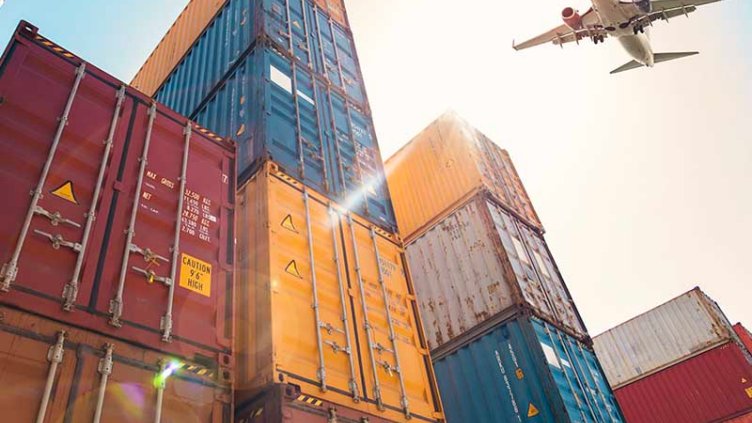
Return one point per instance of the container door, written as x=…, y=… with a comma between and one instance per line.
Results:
x=395, y=360
x=168, y=268
x=312, y=328
x=113, y=388
x=61, y=130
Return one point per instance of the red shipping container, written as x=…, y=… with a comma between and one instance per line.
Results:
x=710, y=387
x=747, y=418
x=128, y=227
x=744, y=336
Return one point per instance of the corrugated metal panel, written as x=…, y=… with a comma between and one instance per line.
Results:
x=478, y=262
x=709, y=387
x=747, y=418
x=313, y=133
x=117, y=231
x=744, y=336
x=210, y=35
x=672, y=332
x=192, y=392
x=297, y=249
x=524, y=370
x=443, y=165
x=178, y=39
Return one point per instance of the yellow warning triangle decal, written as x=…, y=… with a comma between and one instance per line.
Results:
x=292, y=268
x=287, y=223
x=532, y=411
x=65, y=191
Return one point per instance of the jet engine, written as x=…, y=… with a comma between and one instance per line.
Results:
x=645, y=6
x=572, y=18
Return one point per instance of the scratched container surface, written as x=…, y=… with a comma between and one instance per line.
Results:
x=524, y=370
x=284, y=403
x=744, y=336
x=276, y=110
x=672, y=332
x=445, y=164
x=324, y=303
x=296, y=28
x=480, y=261
x=747, y=418
x=711, y=387
x=86, y=377
x=130, y=230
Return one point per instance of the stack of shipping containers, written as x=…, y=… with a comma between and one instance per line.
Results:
x=507, y=341
x=327, y=323
x=116, y=241
x=680, y=362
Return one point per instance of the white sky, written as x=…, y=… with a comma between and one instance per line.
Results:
x=641, y=179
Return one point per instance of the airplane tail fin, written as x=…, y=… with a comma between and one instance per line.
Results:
x=657, y=57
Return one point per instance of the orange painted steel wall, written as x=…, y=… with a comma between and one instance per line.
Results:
x=175, y=43
x=744, y=335
x=336, y=10
x=130, y=394
x=275, y=318
x=444, y=165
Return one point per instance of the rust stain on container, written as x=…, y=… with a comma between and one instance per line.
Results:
x=480, y=261
x=445, y=164
x=33, y=348
x=345, y=327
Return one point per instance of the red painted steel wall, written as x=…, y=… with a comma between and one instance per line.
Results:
x=747, y=418
x=707, y=388
x=37, y=80
x=744, y=335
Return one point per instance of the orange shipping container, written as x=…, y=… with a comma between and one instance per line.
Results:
x=443, y=166
x=56, y=373
x=324, y=302
x=179, y=38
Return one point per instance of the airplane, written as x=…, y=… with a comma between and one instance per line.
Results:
x=625, y=20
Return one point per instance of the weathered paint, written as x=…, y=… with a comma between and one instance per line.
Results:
x=444, y=165
x=36, y=81
x=230, y=25
x=193, y=392
x=744, y=336
x=292, y=256
x=711, y=387
x=480, y=261
x=672, y=332
x=524, y=370
x=278, y=110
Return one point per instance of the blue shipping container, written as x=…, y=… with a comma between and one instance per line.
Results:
x=276, y=109
x=524, y=370
x=297, y=27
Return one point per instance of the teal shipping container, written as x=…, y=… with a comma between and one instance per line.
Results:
x=298, y=28
x=523, y=370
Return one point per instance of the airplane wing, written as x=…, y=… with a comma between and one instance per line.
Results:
x=563, y=34
x=677, y=4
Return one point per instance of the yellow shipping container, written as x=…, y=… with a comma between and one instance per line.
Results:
x=324, y=302
x=442, y=167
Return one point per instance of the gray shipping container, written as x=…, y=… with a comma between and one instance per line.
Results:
x=480, y=261
x=684, y=327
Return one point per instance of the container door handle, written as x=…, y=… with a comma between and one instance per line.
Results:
x=9, y=270
x=104, y=369
x=70, y=291
x=55, y=357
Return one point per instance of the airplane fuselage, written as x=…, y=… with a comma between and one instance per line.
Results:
x=613, y=16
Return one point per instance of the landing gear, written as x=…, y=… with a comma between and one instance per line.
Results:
x=598, y=39
x=638, y=28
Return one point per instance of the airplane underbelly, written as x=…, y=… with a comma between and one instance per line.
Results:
x=638, y=47
x=613, y=13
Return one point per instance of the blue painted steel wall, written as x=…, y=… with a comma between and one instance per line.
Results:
x=524, y=370
x=275, y=108
x=296, y=26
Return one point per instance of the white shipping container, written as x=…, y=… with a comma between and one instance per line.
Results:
x=479, y=262
x=684, y=327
